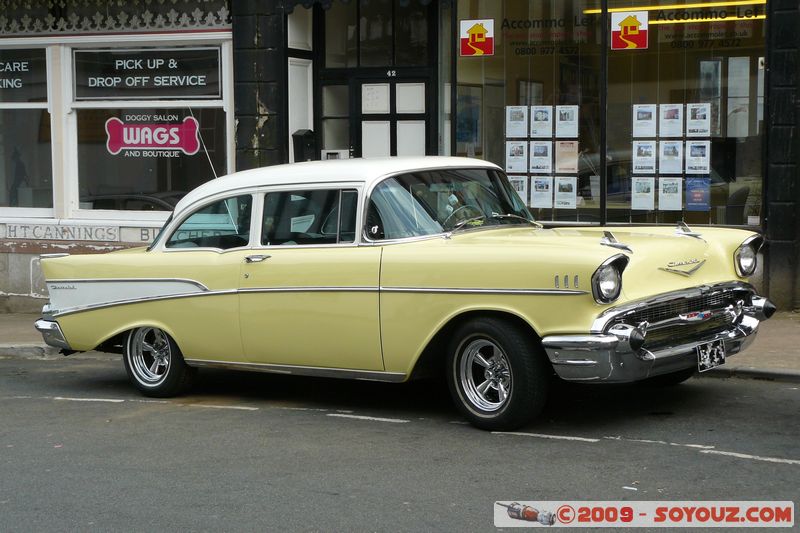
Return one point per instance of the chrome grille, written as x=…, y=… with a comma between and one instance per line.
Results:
x=673, y=308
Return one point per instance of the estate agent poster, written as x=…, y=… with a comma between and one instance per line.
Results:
x=643, y=194
x=644, y=120
x=698, y=157
x=566, y=192
x=516, y=121
x=698, y=120
x=541, y=157
x=516, y=156
x=670, y=157
x=670, y=194
x=520, y=184
x=542, y=192
x=644, y=157
x=671, y=120
x=541, y=121
x=566, y=156
x=698, y=194
x=566, y=121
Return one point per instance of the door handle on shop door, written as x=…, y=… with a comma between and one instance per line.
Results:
x=256, y=258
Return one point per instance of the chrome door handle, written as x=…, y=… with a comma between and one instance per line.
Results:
x=256, y=258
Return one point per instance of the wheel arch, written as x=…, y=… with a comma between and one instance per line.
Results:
x=431, y=360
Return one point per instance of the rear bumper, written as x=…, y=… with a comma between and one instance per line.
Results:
x=51, y=333
x=606, y=357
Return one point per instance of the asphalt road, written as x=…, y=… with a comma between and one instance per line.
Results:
x=80, y=450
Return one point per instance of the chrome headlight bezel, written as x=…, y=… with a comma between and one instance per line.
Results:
x=747, y=251
x=613, y=267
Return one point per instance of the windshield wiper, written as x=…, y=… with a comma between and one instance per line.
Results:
x=516, y=217
x=467, y=221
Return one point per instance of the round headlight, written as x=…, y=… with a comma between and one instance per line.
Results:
x=607, y=283
x=746, y=260
x=746, y=256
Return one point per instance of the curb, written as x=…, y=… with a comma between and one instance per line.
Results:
x=28, y=351
x=744, y=372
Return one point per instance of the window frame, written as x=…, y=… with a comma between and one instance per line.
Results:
x=61, y=104
x=339, y=187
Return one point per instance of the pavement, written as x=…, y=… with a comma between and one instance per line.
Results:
x=775, y=354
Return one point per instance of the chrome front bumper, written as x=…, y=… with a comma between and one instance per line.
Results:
x=51, y=333
x=609, y=358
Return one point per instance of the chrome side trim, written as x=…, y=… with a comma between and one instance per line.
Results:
x=308, y=289
x=73, y=310
x=130, y=280
x=207, y=292
x=455, y=290
x=610, y=314
x=315, y=371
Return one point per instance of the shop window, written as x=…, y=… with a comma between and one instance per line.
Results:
x=687, y=113
x=145, y=158
x=528, y=98
x=25, y=144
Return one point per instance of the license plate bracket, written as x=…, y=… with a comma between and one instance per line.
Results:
x=710, y=355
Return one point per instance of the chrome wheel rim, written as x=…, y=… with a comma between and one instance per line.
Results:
x=150, y=355
x=485, y=375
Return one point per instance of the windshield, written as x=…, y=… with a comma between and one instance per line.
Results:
x=435, y=201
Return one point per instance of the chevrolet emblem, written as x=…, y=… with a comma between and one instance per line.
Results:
x=673, y=266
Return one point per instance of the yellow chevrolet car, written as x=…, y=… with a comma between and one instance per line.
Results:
x=386, y=269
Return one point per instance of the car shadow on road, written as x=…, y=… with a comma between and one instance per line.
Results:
x=587, y=407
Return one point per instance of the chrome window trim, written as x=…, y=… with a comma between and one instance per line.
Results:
x=315, y=371
x=603, y=319
x=190, y=210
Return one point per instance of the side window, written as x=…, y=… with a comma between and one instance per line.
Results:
x=309, y=217
x=224, y=224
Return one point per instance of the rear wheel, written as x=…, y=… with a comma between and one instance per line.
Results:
x=154, y=363
x=497, y=374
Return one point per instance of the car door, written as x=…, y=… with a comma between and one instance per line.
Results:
x=309, y=294
x=198, y=269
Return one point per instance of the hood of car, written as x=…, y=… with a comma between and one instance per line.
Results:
x=660, y=258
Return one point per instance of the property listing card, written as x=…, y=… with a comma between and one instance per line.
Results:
x=698, y=120
x=670, y=157
x=520, y=184
x=670, y=120
x=670, y=194
x=541, y=153
x=566, y=121
x=566, y=156
x=516, y=121
x=644, y=120
x=566, y=192
x=516, y=156
x=698, y=157
x=644, y=157
x=542, y=192
x=643, y=194
x=541, y=121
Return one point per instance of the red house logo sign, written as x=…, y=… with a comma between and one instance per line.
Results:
x=477, y=37
x=629, y=30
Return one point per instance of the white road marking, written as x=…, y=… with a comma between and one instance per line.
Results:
x=662, y=442
x=210, y=406
x=371, y=418
x=104, y=400
x=544, y=436
x=630, y=488
x=754, y=457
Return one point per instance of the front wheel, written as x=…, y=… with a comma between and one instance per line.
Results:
x=154, y=363
x=497, y=374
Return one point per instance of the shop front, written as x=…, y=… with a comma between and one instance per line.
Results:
x=601, y=111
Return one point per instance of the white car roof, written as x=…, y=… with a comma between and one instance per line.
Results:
x=364, y=171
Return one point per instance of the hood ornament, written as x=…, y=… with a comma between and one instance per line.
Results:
x=685, y=231
x=610, y=240
x=674, y=267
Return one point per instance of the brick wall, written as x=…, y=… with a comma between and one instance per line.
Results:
x=783, y=151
